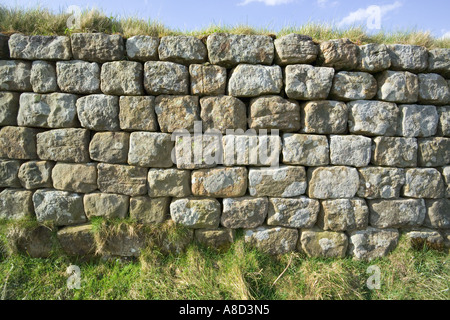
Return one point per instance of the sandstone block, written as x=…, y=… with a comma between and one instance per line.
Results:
x=397, y=213
x=18, y=143
x=99, y=112
x=332, y=182
x=398, y=86
x=196, y=152
x=36, y=174
x=182, y=49
x=306, y=150
x=408, y=57
x=15, y=75
x=444, y=121
x=219, y=239
x=207, y=80
x=169, y=183
x=372, y=243
x=425, y=237
x=249, y=80
x=297, y=213
x=122, y=78
x=433, y=89
x=137, y=113
x=380, y=182
x=353, y=86
x=305, y=82
x=110, y=147
x=284, y=181
x=324, y=117
x=434, y=152
x=78, y=76
x=272, y=240
x=438, y=214
x=222, y=113
x=16, y=204
x=122, y=179
x=142, y=48
x=395, y=152
x=78, y=240
x=417, y=121
x=149, y=211
x=125, y=242
x=9, y=170
x=373, y=58
x=327, y=244
x=107, y=205
x=43, y=77
x=439, y=61
x=177, y=112
x=341, y=54
x=294, y=49
x=163, y=77
x=344, y=214
x=9, y=107
x=81, y=178
x=196, y=213
x=244, y=212
x=350, y=150
x=39, y=47
x=372, y=118
x=97, y=47
x=150, y=149
x=219, y=182
x=423, y=183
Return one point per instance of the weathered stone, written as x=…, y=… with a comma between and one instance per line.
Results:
x=196, y=213
x=425, y=237
x=39, y=47
x=306, y=150
x=397, y=86
x=397, y=213
x=207, y=80
x=43, y=77
x=299, y=212
x=78, y=76
x=444, y=121
x=149, y=211
x=222, y=113
x=438, y=214
x=122, y=179
x=295, y=48
x=408, y=57
x=324, y=117
x=249, y=80
x=380, y=182
x=163, y=77
x=272, y=240
x=34, y=242
x=18, y=143
x=344, y=214
x=137, y=113
x=66, y=145
x=177, y=112
x=110, y=147
x=446, y=175
x=15, y=75
x=229, y=50
x=9, y=170
x=16, y=204
x=150, y=149
x=439, y=61
x=99, y=112
x=4, y=48
x=244, y=212
x=219, y=239
x=433, y=88
x=122, y=78
x=274, y=112
x=170, y=244
x=77, y=241
x=332, y=182
x=283, y=181
x=97, y=47
x=73, y=177
x=54, y=110
x=350, y=150
x=341, y=54
x=142, y=48
x=373, y=58
x=327, y=244
x=423, y=183
x=9, y=107
x=305, y=82
x=372, y=243
x=36, y=174
x=353, y=86
x=124, y=242
x=394, y=152
x=182, y=49
x=434, y=152
x=61, y=207
x=107, y=205
x=198, y=151
x=169, y=183
x=219, y=182
x=372, y=118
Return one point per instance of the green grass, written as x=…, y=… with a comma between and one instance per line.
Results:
x=44, y=22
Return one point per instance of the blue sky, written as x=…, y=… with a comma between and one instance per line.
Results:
x=429, y=15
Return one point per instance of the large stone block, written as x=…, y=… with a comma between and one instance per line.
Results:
x=9, y=170
x=305, y=82
x=433, y=89
x=350, y=150
x=394, y=152
x=373, y=58
x=122, y=78
x=446, y=176
x=219, y=182
x=198, y=151
x=417, y=121
x=149, y=211
x=380, y=182
x=397, y=213
x=244, y=212
x=177, y=112
x=372, y=118
x=33, y=241
x=324, y=117
x=196, y=213
x=222, y=113
x=122, y=179
x=219, y=239
x=110, y=147
x=66, y=145
x=9, y=107
x=142, y=48
x=78, y=241
x=163, y=77
x=326, y=244
x=434, y=152
x=419, y=238
x=16, y=204
x=294, y=49
x=78, y=76
x=353, y=86
x=408, y=57
x=39, y=47
x=372, y=243
x=124, y=242
x=207, y=80
x=137, y=113
x=297, y=213
x=18, y=143
x=438, y=214
x=272, y=240
x=341, y=54
x=43, y=77
x=249, y=80
x=283, y=181
x=182, y=49
x=150, y=149
x=332, y=182
x=398, y=86
x=444, y=121
x=97, y=47
x=36, y=174
x=439, y=61
x=423, y=183
x=15, y=75
x=169, y=183
x=99, y=112
x=106, y=205
x=306, y=150
x=344, y=214
x=73, y=177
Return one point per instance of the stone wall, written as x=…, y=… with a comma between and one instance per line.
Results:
x=332, y=149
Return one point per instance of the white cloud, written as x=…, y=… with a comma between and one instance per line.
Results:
x=364, y=14
x=446, y=35
x=266, y=2
x=326, y=3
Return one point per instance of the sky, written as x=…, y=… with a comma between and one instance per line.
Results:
x=388, y=15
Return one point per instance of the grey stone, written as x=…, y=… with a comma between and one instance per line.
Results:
x=137, y=113
x=394, y=152
x=249, y=80
x=326, y=244
x=169, y=183
x=350, y=150
x=444, y=121
x=438, y=214
x=39, y=47
x=434, y=152
x=300, y=212
x=110, y=147
x=16, y=204
x=33, y=241
x=142, y=48
x=272, y=240
x=439, y=61
x=36, y=174
x=423, y=183
x=305, y=82
x=198, y=151
x=408, y=57
x=75, y=177
x=78, y=241
x=284, y=181
x=219, y=182
x=163, y=77
x=306, y=150
x=97, y=47
x=99, y=112
x=78, y=76
x=294, y=49
x=177, y=112
x=15, y=75
x=122, y=179
x=122, y=78
x=353, y=86
x=196, y=213
x=150, y=149
x=325, y=117
x=9, y=170
x=425, y=237
x=182, y=49
x=332, y=182
x=372, y=118
x=18, y=143
x=149, y=211
x=373, y=58
x=380, y=182
x=344, y=214
x=9, y=107
x=207, y=80
x=219, y=239
x=398, y=86
x=433, y=89
x=372, y=243
x=397, y=213
x=222, y=113
x=43, y=77
x=107, y=205
x=244, y=212
x=341, y=54
x=446, y=176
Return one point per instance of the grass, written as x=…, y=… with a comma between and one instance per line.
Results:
x=44, y=22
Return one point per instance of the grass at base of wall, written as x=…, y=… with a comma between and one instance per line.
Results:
x=240, y=273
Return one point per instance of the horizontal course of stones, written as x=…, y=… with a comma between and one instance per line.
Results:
x=363, y=144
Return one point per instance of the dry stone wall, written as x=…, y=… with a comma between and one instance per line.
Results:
x=332, y=149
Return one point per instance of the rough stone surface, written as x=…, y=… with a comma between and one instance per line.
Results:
x=408, y=57
x=444, y=121
x=341, y=54
x=306, y=150
x=332, y=182
x=207, y=80
x=18, y=143
x=39, y=47
x=350, y=150
x=219, y=239
x=163, y=77
x=142, y=48
x=398, y=86
x=397, y=213
x=305, y=82
x=248, y=80
x=353, y=86
x=344, y=214
x=373, y=58
x=295, y=49
x=97, y=47
x=433, y=89
x=137, y=113
x=36, y=174
x=425, y=237
x=372, y=118
x=380, y=182
x=439, y=61
x=16, y=204
x=61, y=207
x=272, y=240
x=300, y=212
x=107, y=205
x=169, y=183
x=324, y=117
x=67, y=145
x=372, y=243
x=284, y=181
x=434, y=152
x=78, y=76
x=9, y=107
x=125, y=242
x=219, y=182
x=110, y=147
x=73, y=177
x=229, y=50
x=54, y=110
x=394, y=152
x=446, y=176
x=122, y=179
x=222, y=113
x=35, y=242
x=423, y=183
x=182, y=49
x=77, y=241
x=9, y=170
x=196, y=213
x=438, y=214
x=317, y=243
x=244, y=212
x=122, y=78
x=43, y=77
x=99, y=112
x=149, y=211
x=177, y=112
x=196, y=152
x=150, y=149
x=15, y=75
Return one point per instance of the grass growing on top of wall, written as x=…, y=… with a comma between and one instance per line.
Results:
x=44, y=22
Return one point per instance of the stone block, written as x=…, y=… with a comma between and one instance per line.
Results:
x=137, y=113
x=306, y=150
x=177, y=112
x=305, y=82
x=283, y=181
x=163, y=77
x=122, y=78
x=297, y=213
x=18, y=143
x=324, y=117
x=169, y=183
x=219, y=182
x=394, y=152
x=99, y=112
x=350, y=150
x=372, y=118
x=249, y=80
x=39, y=47
x=97, y=47
x=122, y=179
x=110, y=147
x=75, y=177
x=244, y=212
x=36, y=174
x=353, y=86
x=196, y=213
x=332, y=182
x=295, y=49
x=106, y=205
x=182, y=49
x=150, y=149
x=78, y=76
